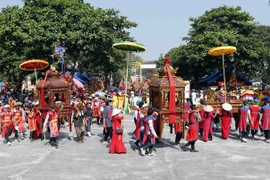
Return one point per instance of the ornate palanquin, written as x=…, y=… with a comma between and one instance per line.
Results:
x=159, y=91
x=235, y=98
x=52, y=89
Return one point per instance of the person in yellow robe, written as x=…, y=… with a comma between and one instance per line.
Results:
x=115, y=100
x=121, y=99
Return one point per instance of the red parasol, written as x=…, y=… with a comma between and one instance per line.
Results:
x=33, y=65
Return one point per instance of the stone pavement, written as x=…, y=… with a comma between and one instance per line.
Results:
x=218, y=159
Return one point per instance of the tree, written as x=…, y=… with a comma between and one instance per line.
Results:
x=264, y=36
x=87, y=32
x=224, y=25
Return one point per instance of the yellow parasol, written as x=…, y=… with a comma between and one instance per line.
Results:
x=222, y=50
x=128, y=46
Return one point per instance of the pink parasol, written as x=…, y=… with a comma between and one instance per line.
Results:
x=78, y=86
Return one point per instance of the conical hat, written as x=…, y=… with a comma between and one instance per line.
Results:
x=208, y=108
x=18, y=104
x=227, y=106
x=116, y=111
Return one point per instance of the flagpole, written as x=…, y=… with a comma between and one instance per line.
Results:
x=224, y=77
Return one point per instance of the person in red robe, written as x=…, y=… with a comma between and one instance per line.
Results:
x=31, y=121
x=244, y=121
x=117, y=144
x=178, y=134
x=37, y=116
x=52, y=118
x=187, y=109
x=177, y=128
x=265, y=120
x=7, y=125
x=2, y=108
x=254, y=126
x=96, y=111
x=139, y=118
x=201, y=111
x=226, y=116
x=192, y=134
x=11, y=102
x=18, y=115
x=207, y=125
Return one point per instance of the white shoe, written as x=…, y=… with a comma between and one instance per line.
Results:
x=244, y=140
x=142, y=151
x=256, y=137
x=267, y=140
x=151, y=154
x=9, y=143
x=105, y=143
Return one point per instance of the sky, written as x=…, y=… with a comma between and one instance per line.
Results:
x=162, y=24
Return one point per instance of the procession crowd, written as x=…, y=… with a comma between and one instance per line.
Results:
x=108, y=112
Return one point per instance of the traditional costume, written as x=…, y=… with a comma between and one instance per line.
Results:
x=254, y=126
x=19, y=120
x=149, y=134
x=178, y=133
x=201, y=123
x=52, y=118
x=7, y=125
x=120, y=100
x=187, y=109
x=265, y=120
x=115, y=100
x=208, y=117
x=139, y=119
x=192, y=134
x=96, y=110
x=11, y=103
x=32, y=123
x=244, y=120
x=226, y=116
x=117, y=144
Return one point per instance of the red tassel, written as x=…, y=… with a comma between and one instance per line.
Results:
x=172, y=97
x=167, y=60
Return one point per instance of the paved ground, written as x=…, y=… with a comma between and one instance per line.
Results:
x=218, y=159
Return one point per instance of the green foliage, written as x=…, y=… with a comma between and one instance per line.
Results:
x=224, y=25
x=87, y=32
x=264, y=36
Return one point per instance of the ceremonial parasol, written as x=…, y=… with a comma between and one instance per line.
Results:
x=34, y=65
x=222, y=50
x=128, y=46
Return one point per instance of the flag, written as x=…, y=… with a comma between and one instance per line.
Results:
x=233, y=80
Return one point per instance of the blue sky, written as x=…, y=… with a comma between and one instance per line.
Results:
x=162, y=24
